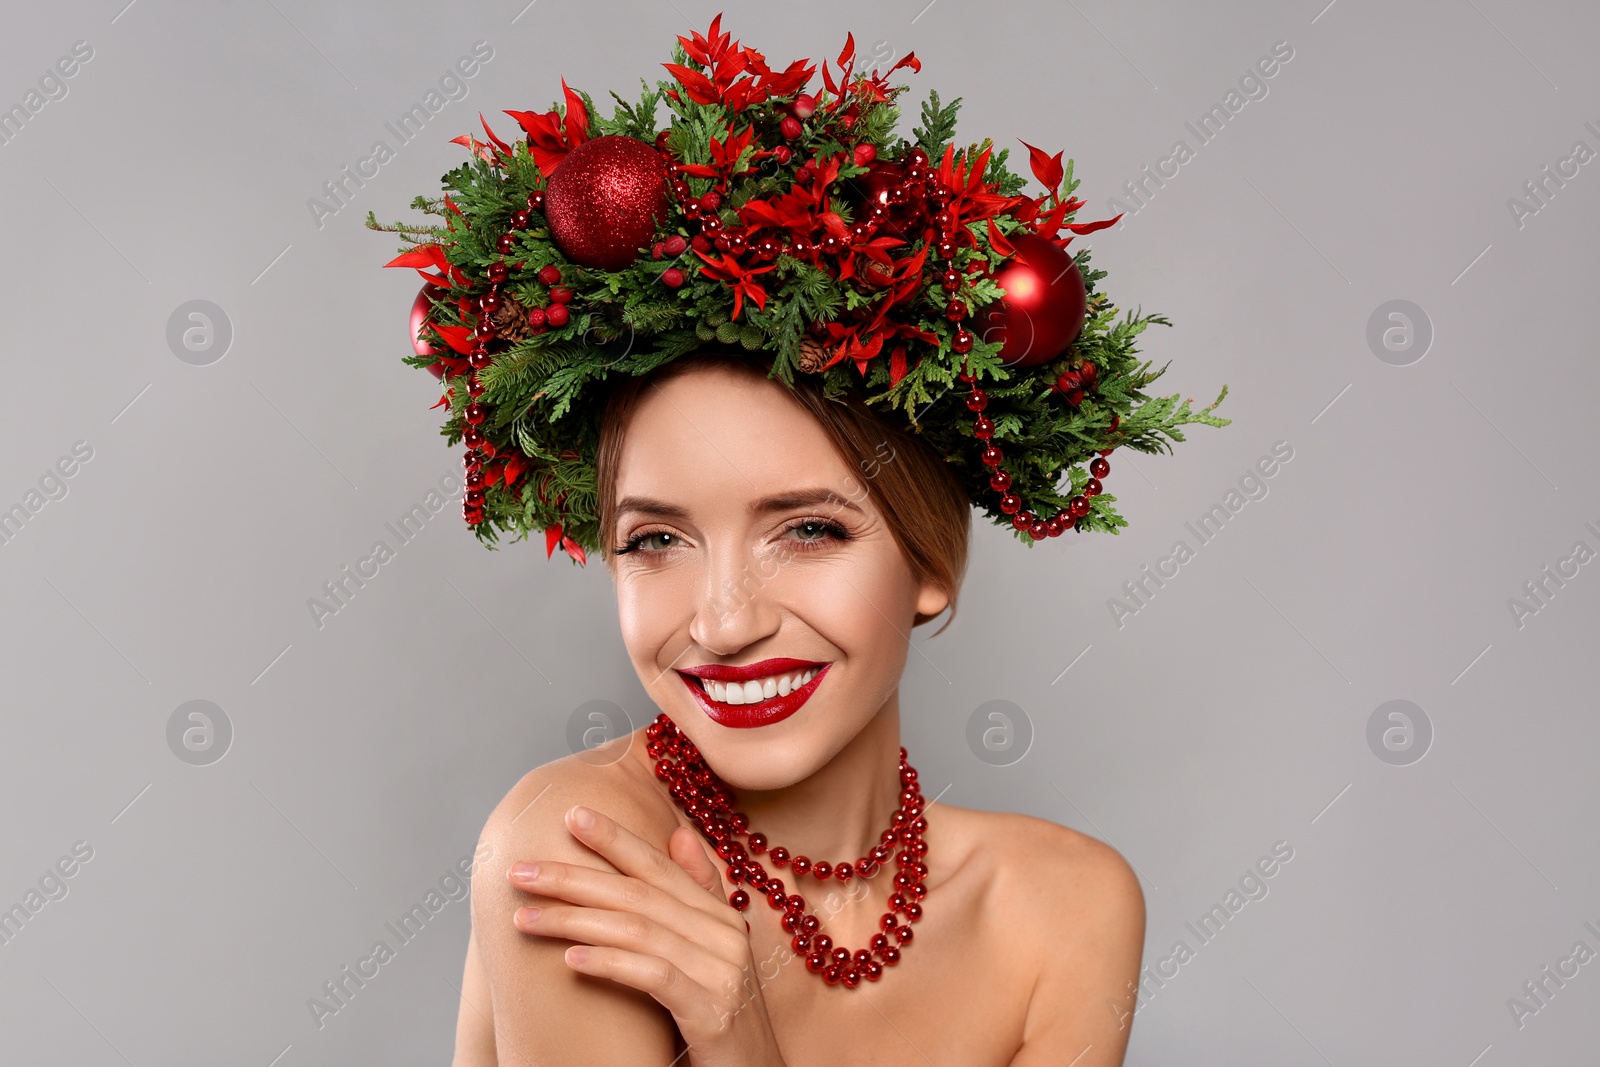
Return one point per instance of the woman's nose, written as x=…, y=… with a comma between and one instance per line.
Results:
x=737, y=607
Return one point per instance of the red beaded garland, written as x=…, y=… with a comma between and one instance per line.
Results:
x=1036, y=526
x=697, y=790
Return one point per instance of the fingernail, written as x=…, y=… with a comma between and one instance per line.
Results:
x=526, y=873
x=583, y=817
x=527, y=915
x=577, y=954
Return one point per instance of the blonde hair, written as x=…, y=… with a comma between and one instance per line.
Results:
x=920, y=497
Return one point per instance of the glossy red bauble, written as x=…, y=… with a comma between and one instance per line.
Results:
x=605, y=201
x=421, y=314
x=1044, y=307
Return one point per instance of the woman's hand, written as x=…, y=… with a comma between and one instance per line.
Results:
x=661, y=926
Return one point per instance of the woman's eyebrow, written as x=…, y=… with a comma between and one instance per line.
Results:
x=797, y=498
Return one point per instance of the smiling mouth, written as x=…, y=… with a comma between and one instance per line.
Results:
x=760, y=702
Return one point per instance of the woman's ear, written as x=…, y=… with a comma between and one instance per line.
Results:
x=931, y=599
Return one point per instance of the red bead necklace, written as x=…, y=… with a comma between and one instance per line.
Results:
x=709, y=802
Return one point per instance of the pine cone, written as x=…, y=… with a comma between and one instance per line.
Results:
x=812, y=355
x=510, y=320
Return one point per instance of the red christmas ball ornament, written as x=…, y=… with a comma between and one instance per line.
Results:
x=421, y=315
x=1044, y=306
x=605, y=200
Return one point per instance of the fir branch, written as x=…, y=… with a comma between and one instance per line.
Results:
x=938, y=124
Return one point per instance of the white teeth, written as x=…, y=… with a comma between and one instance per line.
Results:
x=757, y=690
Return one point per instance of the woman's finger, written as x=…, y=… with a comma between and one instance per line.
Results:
x=593, y=888
x=674, y=990
x=632, y=855
x=685, y=849
x=624, y=930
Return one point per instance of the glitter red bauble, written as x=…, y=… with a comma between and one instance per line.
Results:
x=1045, y=303
x=605, y=200
x=421, y=312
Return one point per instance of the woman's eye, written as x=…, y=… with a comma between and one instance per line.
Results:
x=817, y=532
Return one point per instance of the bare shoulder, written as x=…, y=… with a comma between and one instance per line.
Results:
x=1075, y=913
x=1050, y=872
x=606, y=779
x=541, y=1010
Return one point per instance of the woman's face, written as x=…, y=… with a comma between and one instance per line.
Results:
x=734, y=560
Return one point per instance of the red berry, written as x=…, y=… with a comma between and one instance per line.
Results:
x=556, y=314
x=561, y=295
x=672, y=277
x=804, y=106
x=790, y=127
x=550, y=274
x=674, y=245
x=864, y=154
x=711, y=200
x=536, y=317
x=782, y=153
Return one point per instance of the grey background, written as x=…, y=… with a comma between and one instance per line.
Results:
x=1228, y=714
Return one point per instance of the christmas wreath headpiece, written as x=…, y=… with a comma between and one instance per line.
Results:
x=771, y=218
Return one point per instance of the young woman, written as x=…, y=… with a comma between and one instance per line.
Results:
x=761, y=536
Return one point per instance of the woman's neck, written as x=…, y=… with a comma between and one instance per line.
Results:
x=839, y=812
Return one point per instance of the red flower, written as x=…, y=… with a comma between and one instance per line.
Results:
x=550, y=137
x=727, y=60
x=738, y=276
x=430, y=255
x=553, y=536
